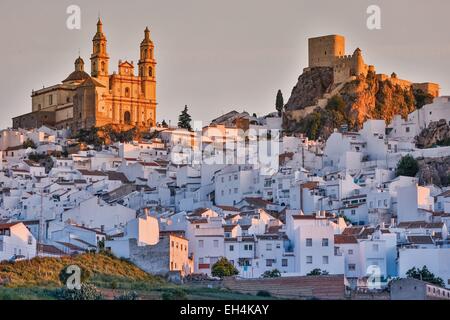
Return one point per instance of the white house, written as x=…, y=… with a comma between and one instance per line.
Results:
x=16, y=241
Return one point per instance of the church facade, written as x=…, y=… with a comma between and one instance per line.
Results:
x=82, y=101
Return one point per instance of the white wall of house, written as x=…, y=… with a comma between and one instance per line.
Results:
x=16, y=239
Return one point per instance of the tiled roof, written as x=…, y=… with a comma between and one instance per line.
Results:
x=344, y=239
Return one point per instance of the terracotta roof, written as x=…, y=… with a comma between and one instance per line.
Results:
x=49, y=249
x=420, y=224
x=8, y=225
x=228, y=208
x=344, y=239
x=92, y=172
x=257, y=202
x=420, y=239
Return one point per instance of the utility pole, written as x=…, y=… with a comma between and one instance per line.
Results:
x=41, y=231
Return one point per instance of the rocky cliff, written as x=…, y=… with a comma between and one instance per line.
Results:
x=434, y=171
x=348, y=104
x=437, y=134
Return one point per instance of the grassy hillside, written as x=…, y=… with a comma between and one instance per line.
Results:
x=45, y=271
x=38, y=279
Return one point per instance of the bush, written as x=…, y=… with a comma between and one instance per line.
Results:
x=29, y=144
x=275, y=273
x=174, y=294
x=223, y=268
x=318, y=272
x=263, y=293
x=128, y=296
x=87, y=292
x=407, y=166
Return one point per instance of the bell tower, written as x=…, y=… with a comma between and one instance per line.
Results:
x=147, y=67
x=99, y=57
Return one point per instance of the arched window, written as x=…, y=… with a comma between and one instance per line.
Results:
x=127, y=117
x=103, y=66
x=127, y=92
x=145, y=53
x=150, y=71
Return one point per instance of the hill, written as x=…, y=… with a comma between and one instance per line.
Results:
x=45, y=271
x=317, y=106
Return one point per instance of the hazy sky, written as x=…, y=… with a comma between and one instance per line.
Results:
x=216, y=56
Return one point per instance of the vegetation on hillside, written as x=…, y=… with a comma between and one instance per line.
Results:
x=46, y=271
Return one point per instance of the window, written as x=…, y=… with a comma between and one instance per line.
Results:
x=375, y=247
x=350, y=252
x=223, y=180
x=269, y=262
x=150, y=71
x=235, y=177
x=127, y=92
x=200, y=260
x=309, y=260
x=248, y=247
x=127, y=117
x=324, y=242
x=50, y=99
x=353, y=212
x=173, y=245
x=309, y=242
x=216, y=243
x=351, y=267
x=407, y=129
x=284, y=262
x=325, y=260
x=235, y=190
x=231, y=248
x=268, y=247
x=201, y=243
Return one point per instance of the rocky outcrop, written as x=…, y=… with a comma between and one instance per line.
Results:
x=311, y=86
x=434, y=171
x=437, y=133
x=364, y=97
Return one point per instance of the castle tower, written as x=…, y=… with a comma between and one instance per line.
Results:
x=323, y=51
x=147, y=67
x=359, y=65
x=99, y=57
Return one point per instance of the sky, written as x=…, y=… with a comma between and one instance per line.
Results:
x=216, y=56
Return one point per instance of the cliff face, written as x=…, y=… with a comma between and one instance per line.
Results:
x=437, y=133
x=352, y=103
x=311, y=85
x=434, y=171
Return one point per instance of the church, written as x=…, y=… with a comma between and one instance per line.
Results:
x=83, y=100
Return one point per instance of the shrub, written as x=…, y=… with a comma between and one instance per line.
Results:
x=174, y=294
x=132, y=295
x=87, y=292
x=223, y=268
x=275, y=273
x=263, y=293
x=407, y=166
x=318, y=272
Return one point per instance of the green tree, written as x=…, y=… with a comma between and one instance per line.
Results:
x=223, y=268
x=29, y=144
x=279, y=103
x=184, y=120
x=407, y=166
x=275, y=273
x=318, y=272
x=425, y=275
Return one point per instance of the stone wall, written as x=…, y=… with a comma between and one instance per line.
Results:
x=151, y=259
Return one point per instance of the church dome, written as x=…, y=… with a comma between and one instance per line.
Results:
x=77, y=76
